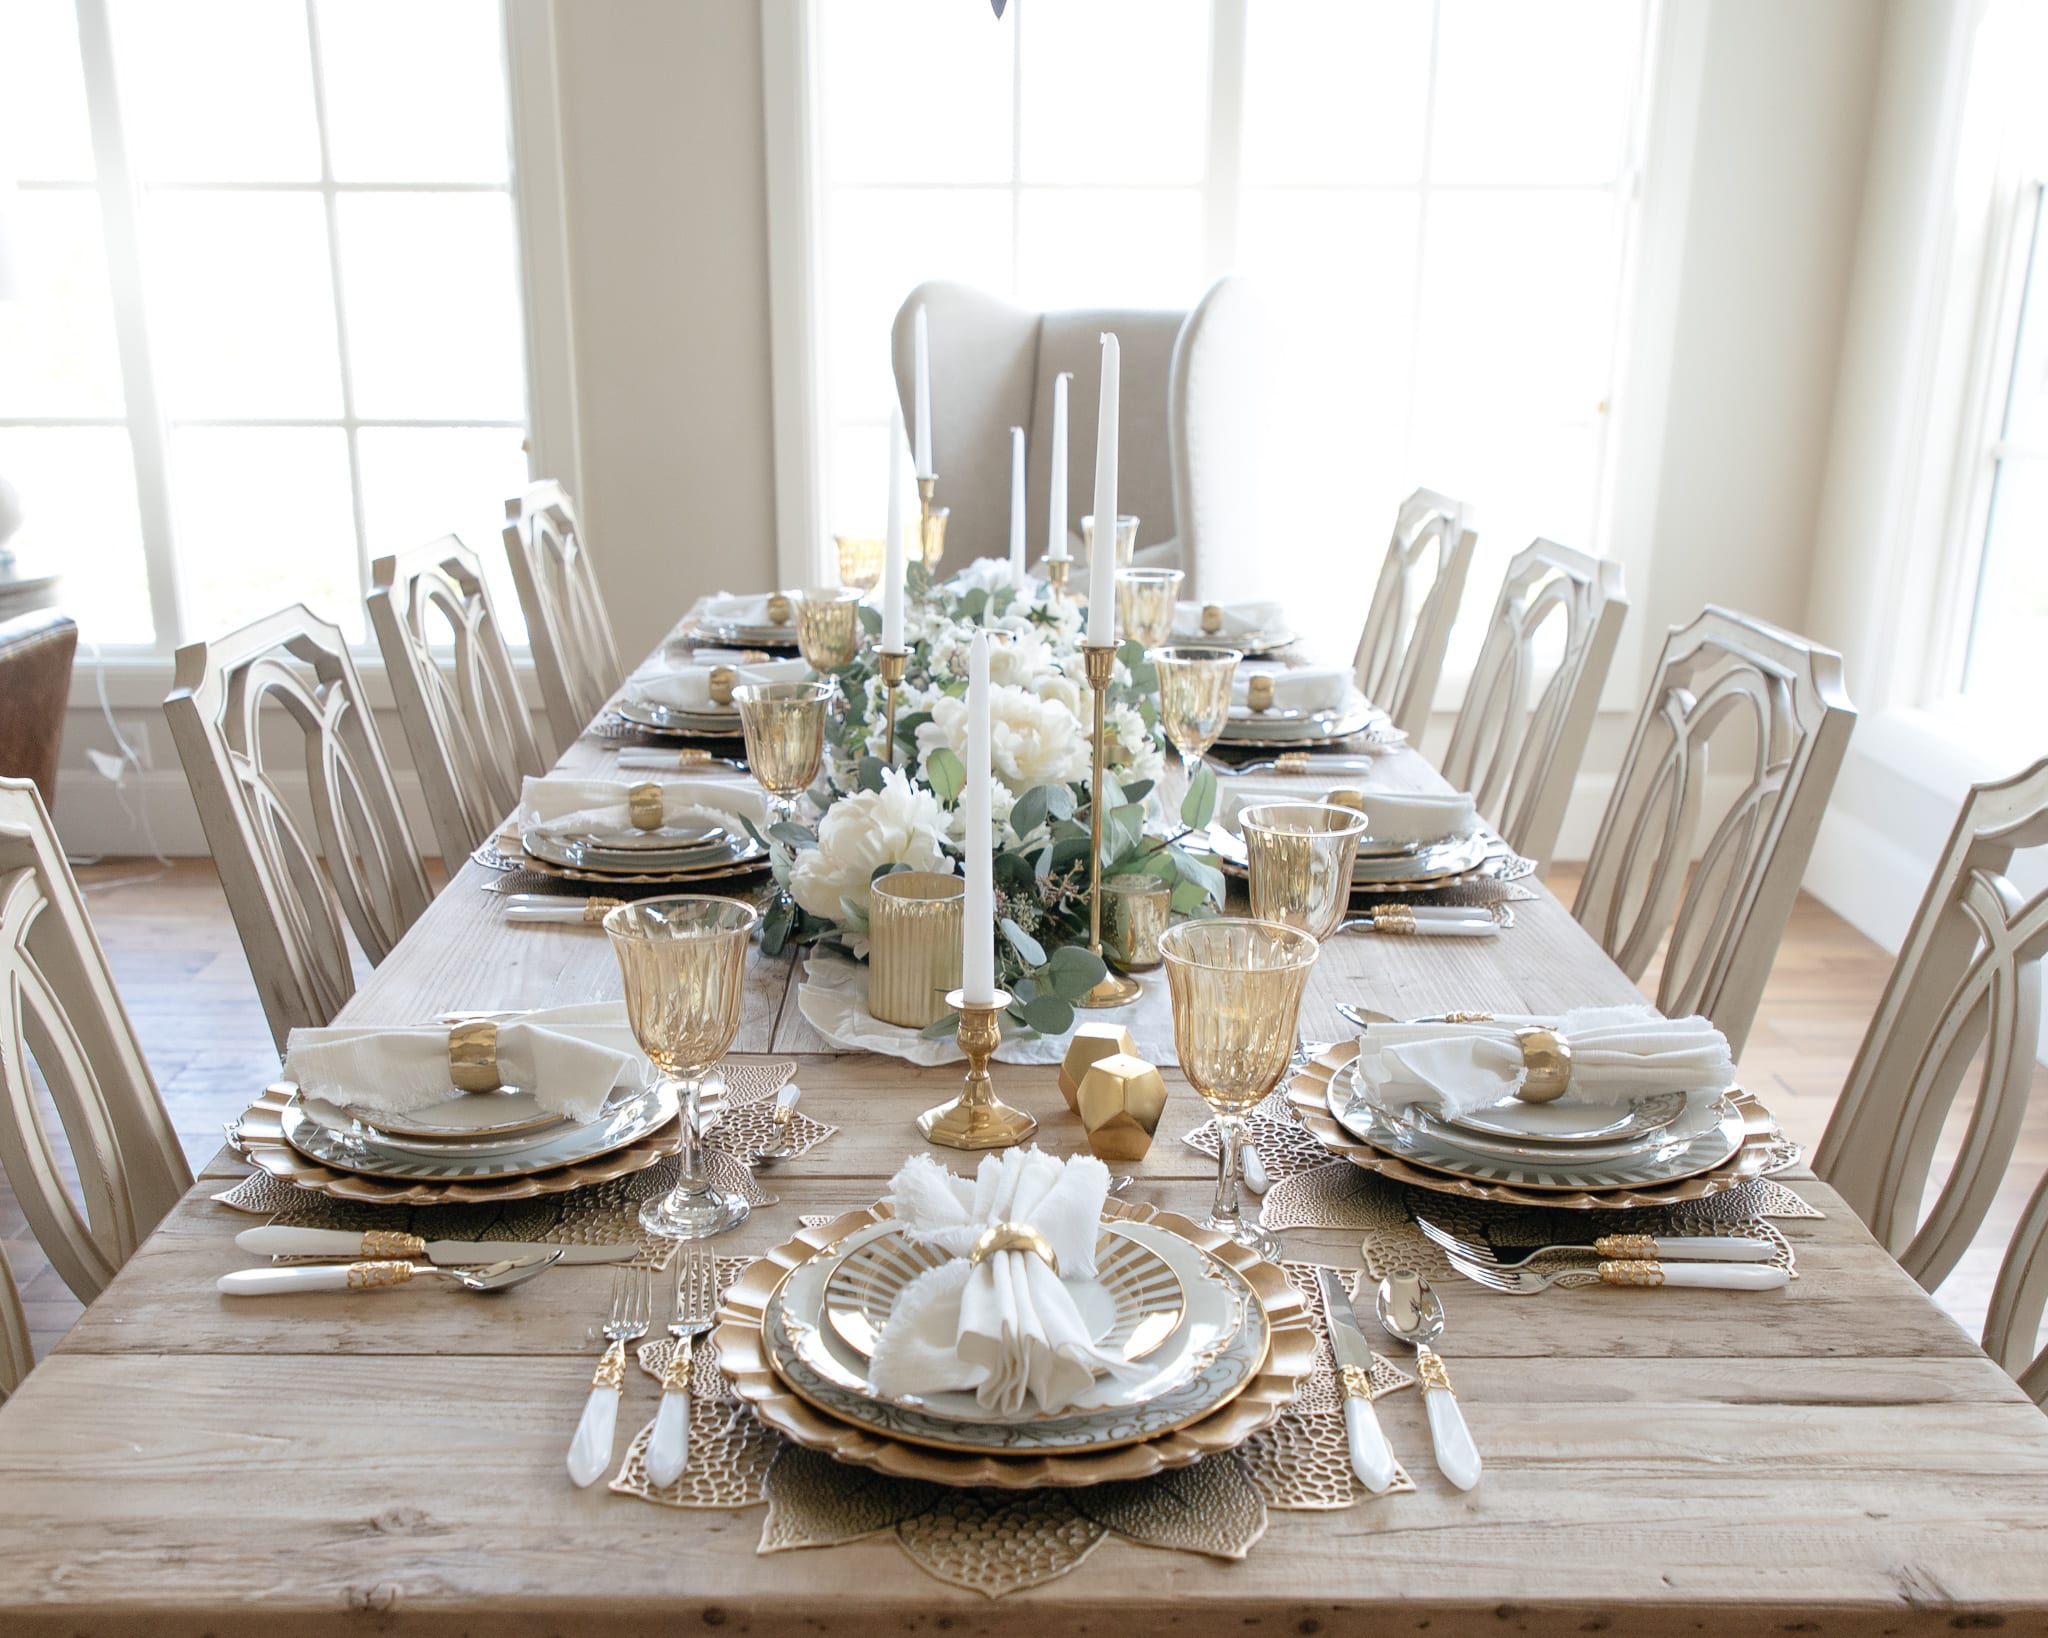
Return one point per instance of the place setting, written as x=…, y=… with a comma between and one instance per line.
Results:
x=626, y=835
x=694, y=700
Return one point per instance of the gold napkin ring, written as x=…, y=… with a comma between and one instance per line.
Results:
x=1547, y=1057
x=1212, y=619
x=473, y=1056
x=778, y=610
x=1258, y=692
x=1343, y=797
x=644, y=806
x=1013, y=1237
x=720, y=684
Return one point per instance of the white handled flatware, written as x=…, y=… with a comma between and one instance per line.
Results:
x=1372, y=1458
x=1702, y=1248
x=1251, y=1168
x=549, y=907
x=590, y=1452
x=1525, y=1282
x=1404, y=922
x=376, y=1276
x=1409, y=1311
x=668, y=1446
x=1297, y=762
x=382, y=1243
x=684, y=761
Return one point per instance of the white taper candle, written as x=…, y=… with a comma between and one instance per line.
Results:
x=921, y=391
x=1056, y=523
x=978, y=925
x=1018, y=579
x=892, y=542
x=1102, y=559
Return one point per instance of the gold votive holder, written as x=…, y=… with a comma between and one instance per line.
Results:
x=914, y=919
x=1121, y=1100
x=1087, y=1046
x=931, y=523
x=1126, y=539
x=1135, y=910
x=1145, y=603
x=977, y=1119
x=828, y=626
x=860, y=561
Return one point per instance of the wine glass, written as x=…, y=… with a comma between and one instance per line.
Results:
x=684, y=961
x=1299, y=857
x=1236, y=985
x=1145, y=603
x=828, y=626
x=1194, y=698
x=785, y=728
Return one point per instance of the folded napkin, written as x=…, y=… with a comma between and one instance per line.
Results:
x=1300, y=688
x=723, y=608
x=1007, y=1328
x=576, y=804
x=569, y=1058
x=1618, y=1055
x=688, y=687
x=1390, y=816
x=1239, y=620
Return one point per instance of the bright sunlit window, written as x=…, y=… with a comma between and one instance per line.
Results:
x=269, y=319
x=1437, y=199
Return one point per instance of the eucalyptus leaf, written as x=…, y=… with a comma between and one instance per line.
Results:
x=1198, y=807
x=946, y=773
x=974, y=604
x=942, y=1029
x=870, y=619
x=1029, y=812
x=1073, y=971
x=852, y=913
x=1137, y=790
x=868, y=773
x=1023, y=943
x=1049, y=1015
x=881, y=870
x=907, y=727
x=792, y=835
x=1187, y=896
x=1059, y=800
x=1197, y=870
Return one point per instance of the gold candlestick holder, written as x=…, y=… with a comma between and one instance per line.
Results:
x=977, y=1119
x=931, y=523
x=1056, y=578
x=892, y=662
x=1115, y=990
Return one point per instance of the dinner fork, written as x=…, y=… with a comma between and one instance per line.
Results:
x=668, y=1446
x=632, y=1311
x=1526, y=1282
x=1704, y=1248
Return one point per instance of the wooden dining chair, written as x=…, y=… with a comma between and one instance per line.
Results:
x=1764, y=694
x=1408, y=628
x=567, y=627
x=1965, y=991
x=293, y=915
x=1521, y=735
x=66, y=1045
x=464, y=717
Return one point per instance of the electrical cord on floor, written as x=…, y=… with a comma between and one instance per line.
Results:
x=114, y=769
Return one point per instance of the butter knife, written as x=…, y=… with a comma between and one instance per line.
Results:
x=312, y=1242
x=1372, y=1458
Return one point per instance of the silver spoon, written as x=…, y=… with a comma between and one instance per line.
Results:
x=1409, y=1311
x=783, y=1115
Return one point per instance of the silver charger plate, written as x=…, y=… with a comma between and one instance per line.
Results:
x=1689, y=1122
x=736, y=850
x=1235, y=1361
x=653, y=718
x=619, y=1125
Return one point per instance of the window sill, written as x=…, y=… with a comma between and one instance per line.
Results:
x=1947, y=748
x=138, y=681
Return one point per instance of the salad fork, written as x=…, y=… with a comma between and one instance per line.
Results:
x=1526, y=1282
x=1704, y=1248
x=668, y=1446
x=632, y=1311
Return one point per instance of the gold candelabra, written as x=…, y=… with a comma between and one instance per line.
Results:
x=893, y=663
x=977, y=1119
x=1114, y=990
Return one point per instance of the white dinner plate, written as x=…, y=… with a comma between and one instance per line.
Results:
x=710, y=723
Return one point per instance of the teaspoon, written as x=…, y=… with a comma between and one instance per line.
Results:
x=1409, y=1311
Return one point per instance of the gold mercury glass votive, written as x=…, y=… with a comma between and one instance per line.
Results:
x=784, y=724
x=914, y=922
x=860, y=561
x=1145, y=603
x=1194, y=698
x=828, y=626
x=1135, y=910
x=1298, y=856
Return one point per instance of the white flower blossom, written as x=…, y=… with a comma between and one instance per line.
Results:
x=1031, y=741
x=901, y=824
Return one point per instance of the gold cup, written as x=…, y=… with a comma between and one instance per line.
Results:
x=1135, y=910
x=914, y=921
x=1126, y=539
x=931, y=523
x=1120, y=1102
x=860, y=560
x=1298, y=856
x=1194, y=698
x=828, y=626
x=784, y=724
x=1145, y=600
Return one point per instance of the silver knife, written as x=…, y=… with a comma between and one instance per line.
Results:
x=313, y=1242
x=1372, y=1458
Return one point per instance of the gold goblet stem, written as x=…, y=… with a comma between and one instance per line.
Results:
x=1056, y=578
x=927, y=488
x=977, y=1119
x=893, y=663
x=1115, y=990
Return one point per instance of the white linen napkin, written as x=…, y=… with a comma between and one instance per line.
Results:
x=1239, y=620
x=1007, y=1328
x=725, y=608
x=569, y=1058
x=1390, y=816
x=1301, y=688
x=688, y=687
x=573, y=804
x=1618, y=1055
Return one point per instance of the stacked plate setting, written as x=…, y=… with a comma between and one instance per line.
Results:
x=1400, y=867
x=699, y=847
x=673, y=722
x=737, y=620
x=1298, y=728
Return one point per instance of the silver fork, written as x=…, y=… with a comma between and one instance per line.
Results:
x=1667, y=1248
x=1526, y=1282
x=668, y=1446
x=632, y=1311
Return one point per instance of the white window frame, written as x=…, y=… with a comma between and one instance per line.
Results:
x=138, y=674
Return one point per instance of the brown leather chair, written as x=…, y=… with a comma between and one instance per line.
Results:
x=35, y=685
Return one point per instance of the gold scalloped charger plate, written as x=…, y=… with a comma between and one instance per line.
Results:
x=744, y=1358
x=262, y=1133
x=1308, y=1098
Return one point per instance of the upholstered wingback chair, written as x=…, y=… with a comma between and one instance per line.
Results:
x=36, y=651
x=992, y=368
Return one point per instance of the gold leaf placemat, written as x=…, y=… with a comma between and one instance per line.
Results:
x=997, y=1541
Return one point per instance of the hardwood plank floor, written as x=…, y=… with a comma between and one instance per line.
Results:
x=186, y=984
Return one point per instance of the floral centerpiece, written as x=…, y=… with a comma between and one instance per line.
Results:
x=898, y=807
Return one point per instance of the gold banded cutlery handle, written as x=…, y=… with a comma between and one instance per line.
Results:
x=611, y=1370
x=1457, y=1457
x=675, y=1376
x=1716, y=1276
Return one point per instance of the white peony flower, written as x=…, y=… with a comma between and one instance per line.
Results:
x=987, y=574
x=1032, y=741
x=899, y=824
x=1134, y=754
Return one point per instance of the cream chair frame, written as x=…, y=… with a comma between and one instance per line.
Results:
x=1519, y=755
x=467, y=725
x=1968, y=978
x=1400, y=655
x=290, y=911
x=1726, y=916
x=567, y=626
x=64, y=1018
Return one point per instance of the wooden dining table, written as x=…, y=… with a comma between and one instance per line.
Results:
x=1833, y=1458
